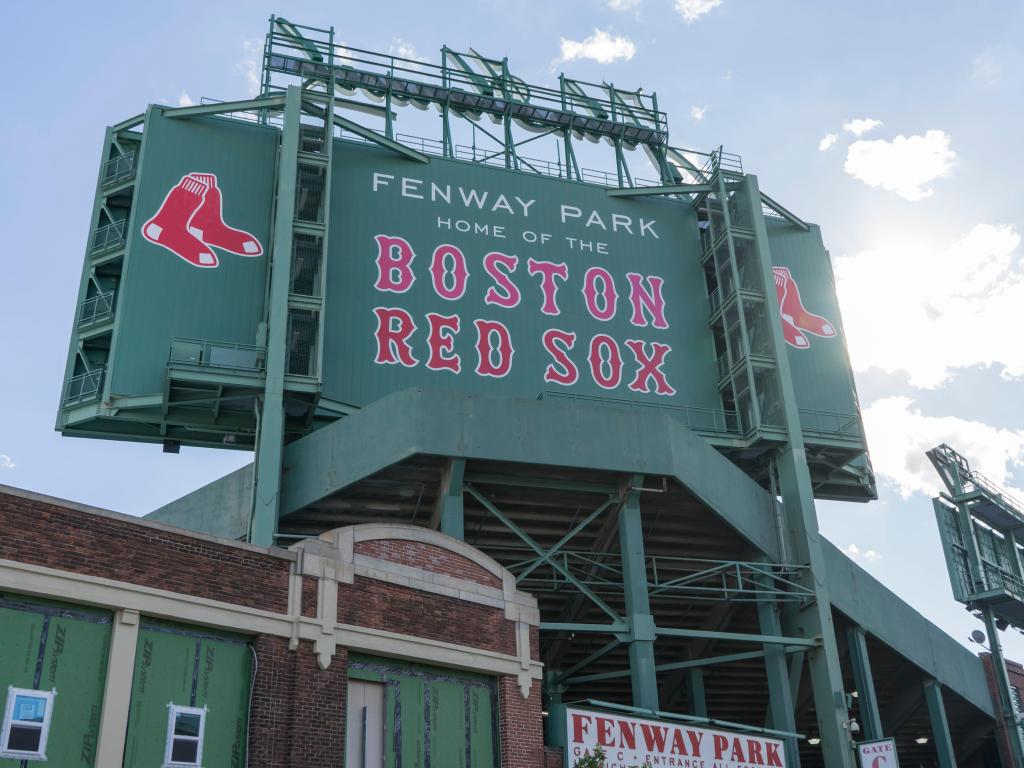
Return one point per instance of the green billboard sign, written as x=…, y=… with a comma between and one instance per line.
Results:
x=436, y=274
x=452, y=274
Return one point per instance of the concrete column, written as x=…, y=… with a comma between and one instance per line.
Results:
x=638, y=608
x=694, y=681
x=940, y=726
x=871, y=720
x=117, y=694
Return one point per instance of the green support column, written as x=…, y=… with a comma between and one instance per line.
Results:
x=871, y=720
x=781, y=708
x=638, y=608
x=449, y=513
x=554, y=723
x=270, y=441
x=694, y=681
x=1007, y=712
x=940, y=726
x=801, y=526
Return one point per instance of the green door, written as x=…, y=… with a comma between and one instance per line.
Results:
x=432, y=717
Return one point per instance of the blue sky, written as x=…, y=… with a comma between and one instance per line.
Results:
x=893, y=125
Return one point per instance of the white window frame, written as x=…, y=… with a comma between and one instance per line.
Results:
x=10, y=720
x=173, y=710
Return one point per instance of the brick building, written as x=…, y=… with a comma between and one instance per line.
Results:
x=301, y=655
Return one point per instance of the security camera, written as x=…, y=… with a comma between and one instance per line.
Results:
x=854, y=727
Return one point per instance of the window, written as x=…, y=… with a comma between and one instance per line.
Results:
x=184, y=736
x=26, y=723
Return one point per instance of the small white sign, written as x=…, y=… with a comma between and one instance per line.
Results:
x=878, y=754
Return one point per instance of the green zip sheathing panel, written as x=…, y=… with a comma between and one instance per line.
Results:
x=49, y=646
x=191, y=667
x=433, y=717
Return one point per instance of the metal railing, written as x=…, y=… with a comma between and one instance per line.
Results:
x=108, y=237
x=714, y=301
x=698, y=419
x=83, y=387
x=668, y=577
x=216, y=354
x=96, y=308
x=983, y=483
x=118, y=168
x=831, y=423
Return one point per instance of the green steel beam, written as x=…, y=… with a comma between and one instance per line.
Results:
x=739, y=637
x=643, y=677
x=564, y=540
x=814, y=620
x=867, y=700
x=787, y=215
x=617, y=628
x=124, y=125
x=482, y=478
x=270, y=443
x=781, y=709
x=668, y=189
x=695, y=697
x=940, y=726
x=562, y=677
x=709, y=661
x=525, y=537
x=1006, y=709
x=449, y=517
x=225, y=107
x=376, y=138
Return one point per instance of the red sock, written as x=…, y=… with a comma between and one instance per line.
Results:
x=792, y=336
x=169, y=227
x=208, y=223
x=793, y=308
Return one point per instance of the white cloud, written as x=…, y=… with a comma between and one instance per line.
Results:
x=899, y=434
x=826, y=143
x=185, y=100
x=6, y=462
x=861, y=125
x=601, y=46
x=623, y=5
x=250, y=66
x=986, y=68
x=929, y=307
x=904, y=165
x=406, y=50
x=691, y=10
x=697, y=113
x=853, y=552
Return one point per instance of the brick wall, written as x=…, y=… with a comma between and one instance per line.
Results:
x=394, y=608
x=520, y=727
x=298, y=709
x=427, y=556
x=553, y=757
x=112, y=547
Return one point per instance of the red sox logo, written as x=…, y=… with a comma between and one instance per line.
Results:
x=795, y=319
x=190, y=224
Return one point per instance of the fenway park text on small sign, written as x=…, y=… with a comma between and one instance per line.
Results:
x=630, y=741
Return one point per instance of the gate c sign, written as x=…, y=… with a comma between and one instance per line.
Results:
x=878, y=754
